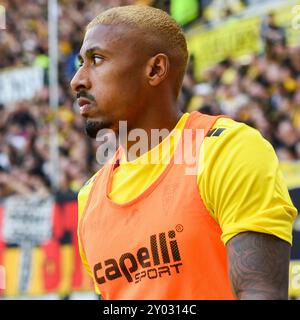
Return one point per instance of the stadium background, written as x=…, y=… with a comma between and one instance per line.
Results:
x=244, y=63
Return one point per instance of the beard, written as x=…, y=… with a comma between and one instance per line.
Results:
x=92, y=127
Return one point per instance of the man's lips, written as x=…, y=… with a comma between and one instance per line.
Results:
x=83, y=101
x=85, y=105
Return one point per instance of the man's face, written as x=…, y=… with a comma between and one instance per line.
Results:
x=111, y=79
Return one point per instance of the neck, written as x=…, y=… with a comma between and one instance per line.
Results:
x=139, y=137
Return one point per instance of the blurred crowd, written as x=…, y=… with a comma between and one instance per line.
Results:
x=25, y=127
x=263, y=91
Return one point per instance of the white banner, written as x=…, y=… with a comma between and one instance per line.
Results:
x=20, y=84
x=27, y=219
x=27, y=222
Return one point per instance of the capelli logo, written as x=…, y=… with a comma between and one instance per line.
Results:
x=2, y=278
x=296, y=18
x=2, y=18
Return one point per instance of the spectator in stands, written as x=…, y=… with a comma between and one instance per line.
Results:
x=273, y=36
x=262, y=93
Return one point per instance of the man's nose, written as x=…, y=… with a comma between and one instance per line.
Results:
x=80, y=80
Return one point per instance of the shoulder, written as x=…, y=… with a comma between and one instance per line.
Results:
x=85, y=191
x=241, y=183
x=231, y=156
x=229, y=128
x=231, y=142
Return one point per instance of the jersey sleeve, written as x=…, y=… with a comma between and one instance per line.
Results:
x=241, y=183
x=82, y=200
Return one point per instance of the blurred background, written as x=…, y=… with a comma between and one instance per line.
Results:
x=245, y=62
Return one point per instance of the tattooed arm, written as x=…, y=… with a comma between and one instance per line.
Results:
x=258, y=266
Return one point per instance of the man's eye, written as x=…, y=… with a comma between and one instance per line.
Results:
x=97, y=59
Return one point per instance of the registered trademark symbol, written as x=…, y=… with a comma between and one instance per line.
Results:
x=179, y=228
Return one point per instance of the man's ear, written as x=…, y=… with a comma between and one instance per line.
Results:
x=157, y=69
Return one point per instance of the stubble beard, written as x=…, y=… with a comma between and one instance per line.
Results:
x=92, y=127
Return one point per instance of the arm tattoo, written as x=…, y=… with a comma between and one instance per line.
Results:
x=259, y=266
